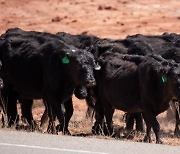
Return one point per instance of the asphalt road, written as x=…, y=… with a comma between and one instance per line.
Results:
x=15, y=142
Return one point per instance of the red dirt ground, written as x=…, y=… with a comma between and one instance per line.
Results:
x=115, y=19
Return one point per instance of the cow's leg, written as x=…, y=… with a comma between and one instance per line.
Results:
x=4, y=111
x=91, y=101
x=130, y=117
x=64, y=122
x=177, y=130
x=68, y=114
x=147, y=137
x=52, y=109
x=152, y=121
x=129, y=121
x=108, y=112
x=26, y=108
x=109, y=129
x=51, y=126
x=99, y=117
x=11, y=105
x=139, y=122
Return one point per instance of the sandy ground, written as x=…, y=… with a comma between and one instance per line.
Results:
x=114, y=19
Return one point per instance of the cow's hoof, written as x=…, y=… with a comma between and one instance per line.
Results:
x=116, y=135
x=147, y=139
x=96, y=129
x=177, y=133
x=129, y=134
x=64, y=131
x=27, y=127
x=52, y=130
x=159, y=141
x=94, y=132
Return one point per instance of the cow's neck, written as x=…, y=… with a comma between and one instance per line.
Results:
x=164, y=97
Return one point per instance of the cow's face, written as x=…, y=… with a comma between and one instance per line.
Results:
x=82, y=64
x=174, y=80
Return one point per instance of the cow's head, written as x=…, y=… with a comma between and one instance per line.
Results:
x=80, y=64
x=173, y=76
x=168, y=72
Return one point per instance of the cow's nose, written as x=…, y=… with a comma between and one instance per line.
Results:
x=91, y=83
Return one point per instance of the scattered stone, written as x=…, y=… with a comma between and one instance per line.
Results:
x=74, y=20
x=3, y=3
x=100, y=7
x=145, y=22
x=84, y=32
x=56, y=19
x=120, y=23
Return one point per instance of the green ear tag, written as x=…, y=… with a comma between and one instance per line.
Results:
x=164, y=79
x=65, y=60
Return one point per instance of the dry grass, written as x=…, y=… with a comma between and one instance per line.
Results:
x=81, y=126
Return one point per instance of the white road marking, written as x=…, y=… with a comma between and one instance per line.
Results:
x=47, y=148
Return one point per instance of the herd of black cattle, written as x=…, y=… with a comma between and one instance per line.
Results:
x=139, y=75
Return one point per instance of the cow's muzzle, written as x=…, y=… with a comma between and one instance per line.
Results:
x=90, y=83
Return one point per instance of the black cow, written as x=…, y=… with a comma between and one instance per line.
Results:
x=38, y=65
x=94, y=44
x=81, y=41
x=87, y=43
x=166, y=45
x=135, y=83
